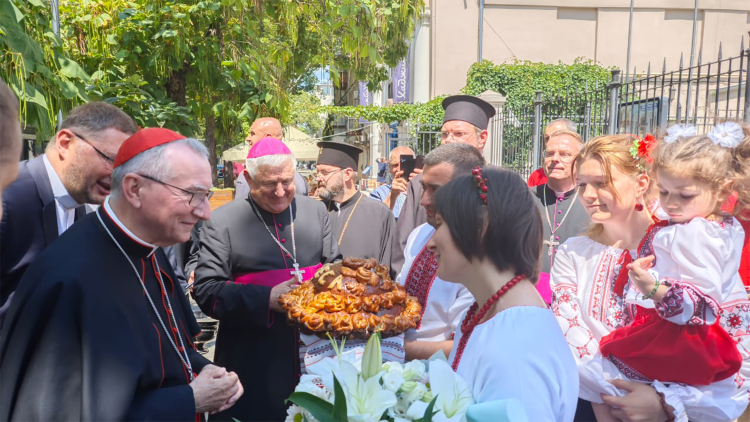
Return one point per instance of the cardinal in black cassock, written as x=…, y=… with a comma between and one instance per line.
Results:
x=81, y=340
x=245, y=251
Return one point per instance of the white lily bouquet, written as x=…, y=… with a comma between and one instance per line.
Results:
x=344, y=388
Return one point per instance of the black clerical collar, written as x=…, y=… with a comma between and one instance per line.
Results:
x=131, y=243
x=333, y=205
x=552, y=195
x=353, y=198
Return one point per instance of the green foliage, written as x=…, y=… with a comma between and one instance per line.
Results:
x=430, y=112
x=520, y=80
x=305, y=114
x=202, y=67
x=36, y=67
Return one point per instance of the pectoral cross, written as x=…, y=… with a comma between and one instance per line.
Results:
x=297, y=272
x=551, y=243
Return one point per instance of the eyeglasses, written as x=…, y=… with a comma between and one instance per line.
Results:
x=455, y=135
x=109, y=160
x=325, y=175
x=196, y=197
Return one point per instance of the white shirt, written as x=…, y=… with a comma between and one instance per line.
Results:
x=241, y=189
x=64, y=203
x=586, y=308
x=520, y=353
x=446, y=302
x=127, y=231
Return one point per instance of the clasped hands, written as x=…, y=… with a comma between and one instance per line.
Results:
x=215, y=389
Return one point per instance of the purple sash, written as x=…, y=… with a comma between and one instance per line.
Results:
x=542, y=286
x=272, y=278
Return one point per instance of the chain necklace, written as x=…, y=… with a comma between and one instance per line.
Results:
x=297, y=272
x=184, y=358
x=346, y=224
x=551, y=242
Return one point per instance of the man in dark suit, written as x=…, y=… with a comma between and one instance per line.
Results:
x=51, y=190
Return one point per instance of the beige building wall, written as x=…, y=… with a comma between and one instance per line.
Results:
x=562, y=30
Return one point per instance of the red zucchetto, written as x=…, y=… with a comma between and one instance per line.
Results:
x=143, y=140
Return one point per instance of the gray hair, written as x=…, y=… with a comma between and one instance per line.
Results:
x=152, y=163
x=254, y=164
x=569, y=125
x=463, y=157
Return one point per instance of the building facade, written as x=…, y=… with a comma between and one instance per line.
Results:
x=563, y=30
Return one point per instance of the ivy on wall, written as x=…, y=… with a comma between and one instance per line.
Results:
x=518, y=80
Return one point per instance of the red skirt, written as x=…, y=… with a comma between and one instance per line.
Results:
x=653, y=348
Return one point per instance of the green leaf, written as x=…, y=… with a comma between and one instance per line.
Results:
x=71, y=69
x=318, y=408
x=38, y=3
x=227, y=63
x=32, y=95
x=428, y=413
x=339, y=403
x=122, y=54
x=68, y=89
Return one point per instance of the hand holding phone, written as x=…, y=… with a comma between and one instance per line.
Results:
x=409, y=163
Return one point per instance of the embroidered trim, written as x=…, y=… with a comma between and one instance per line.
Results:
x=672, y=303
x=421, y=275
x=626, y=370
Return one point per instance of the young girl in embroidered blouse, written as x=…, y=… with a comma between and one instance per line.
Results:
x=686, y=265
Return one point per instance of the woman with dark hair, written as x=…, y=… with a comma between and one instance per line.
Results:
x=489, y=239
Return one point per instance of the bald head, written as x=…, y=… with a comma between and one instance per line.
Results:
x=394, y=160
x=558, y=125
x=263, y=127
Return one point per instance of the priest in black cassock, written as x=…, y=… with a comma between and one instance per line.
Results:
x=251, y=252
x=99, y=329
x=562, y=212
x=465, y=122
x=362, y=227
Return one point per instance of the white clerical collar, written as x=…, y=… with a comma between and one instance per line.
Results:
x=58, y=189
x=117, y=221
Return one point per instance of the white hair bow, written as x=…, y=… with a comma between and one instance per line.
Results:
x=727, y=134
x=676, y=132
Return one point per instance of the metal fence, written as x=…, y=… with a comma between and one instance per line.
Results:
x=702, y=95
x=422, y=138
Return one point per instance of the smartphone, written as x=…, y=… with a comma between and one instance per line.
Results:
x=408, y=164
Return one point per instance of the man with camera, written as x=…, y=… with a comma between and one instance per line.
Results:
x=394, y=194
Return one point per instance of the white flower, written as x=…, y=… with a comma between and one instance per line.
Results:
x=310, y=384
x=414, y=370
x=727, y=134
x=452, y=392
x=365, y=400
x=417, y=393
x=392, y=366
x=416, y=410
x=408, y=386
x=296, y=414
x=676, y=132
x=392, y=381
